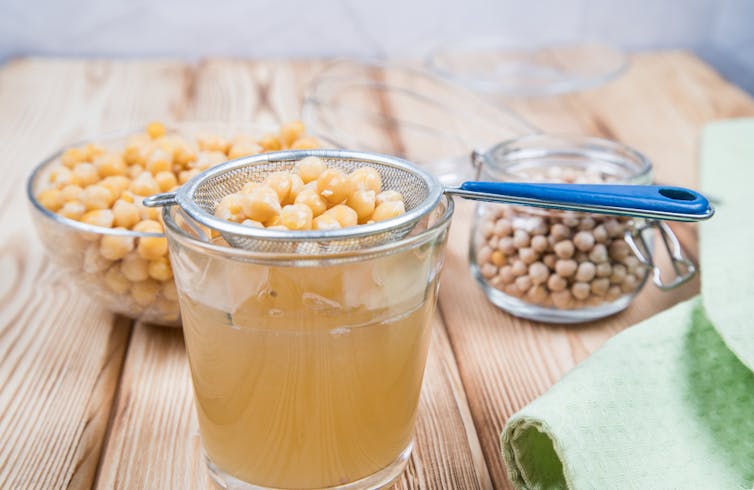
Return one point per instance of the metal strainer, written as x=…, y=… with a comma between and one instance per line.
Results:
x=421, y=193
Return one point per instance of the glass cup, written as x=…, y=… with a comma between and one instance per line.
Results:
x=307, y=368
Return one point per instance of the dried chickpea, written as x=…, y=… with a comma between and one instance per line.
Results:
x=566, y=267
x=498, y=258
x=564, y=249
x=115, y=247
x=297, y=217
x=583, y=241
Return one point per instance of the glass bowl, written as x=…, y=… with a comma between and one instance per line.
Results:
x=74, y=246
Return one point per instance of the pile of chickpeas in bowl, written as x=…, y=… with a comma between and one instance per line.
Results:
x=88, y=211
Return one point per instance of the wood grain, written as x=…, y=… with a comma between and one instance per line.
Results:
x=60, y=353
x=85, y=400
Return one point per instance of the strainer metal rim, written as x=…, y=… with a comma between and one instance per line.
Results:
x=434, y=192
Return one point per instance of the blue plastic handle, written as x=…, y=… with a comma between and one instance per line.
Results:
x=650, y=201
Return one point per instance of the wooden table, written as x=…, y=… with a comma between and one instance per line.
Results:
x=92, y=399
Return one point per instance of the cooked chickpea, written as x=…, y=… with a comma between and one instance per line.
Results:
x=116, y=281
x=280, y=182
x=99, y=217
x=212, y=143
x=145, y=292
x=365, y=178
x=363, y=201
x=144, y=185
x=270, y=142
x=134, y=267
x=155, y=129
x=159, y=161
x=51, y=199
x=115, y=247
x=110, y=164
x=297, y=217
x=310, y=168
x=96, y=197
x=261, y=204
x=387, y=196
x=325, y=222
x=152, y=248
x=186, y=175
x=84, y=174
x=310, y=198
x=307, y=143
x=388, y=210
x=73, y=156
x=344, y=215
x=166, y=181
x=160, y=269
x=72, y=210
x=332, y=184
x=290, y=132
x=297, y=185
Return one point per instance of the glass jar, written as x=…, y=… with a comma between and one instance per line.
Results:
x=307, y=368
x=550, y=265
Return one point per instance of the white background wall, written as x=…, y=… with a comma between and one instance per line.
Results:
x=721, y=31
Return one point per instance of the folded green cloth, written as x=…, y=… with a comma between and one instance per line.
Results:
x=668, y=403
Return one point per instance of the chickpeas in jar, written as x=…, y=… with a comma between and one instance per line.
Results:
x=551, y=265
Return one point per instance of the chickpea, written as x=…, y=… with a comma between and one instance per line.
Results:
x=388, y=210
x=270, y=142
x=99, y=217
x=560, y=231
x=160, y=269
x=145, y=292
x=310, y=168
x=598, y=254
x=521, y=238
x=600, y=286
x=505, y=245
x=527, y=255
x=73, y=156
x=84, y=174
x=241, y=149
x=387, y=196
x=325, y=222
x=297, y=217
x=213, y=143
x=566, y=268
x=332, y=184
x=506, y=274
x=484, y=254
x=316, y=203
x=134, y=267
x=556, y=283
x=580, y=290
x=538, y=272
x=562, y=299
x=586, y=272
x=96, y=197
x=537, y=294
x=365, y=178
x=116, y=281
x=502, y=227
x=488, y=270
x=604, y=269
x=280, y=182
x=344, y=215
x=539, y=243
x=583, y=241
x=166, y=181
x=564, y=249
x=155, y=129
x=152, y=248
x=363, y=201
x=498, y=258
x=308, y=143
x=519, y=268
x=290, y=132
x=144, y=185
x=72, y=210
x=297, y=185
x=261, y=204
x=94, y=262
x=115, y=247
x=51, y=199
x=110, y=165
x=549, y=260
x=619, y=274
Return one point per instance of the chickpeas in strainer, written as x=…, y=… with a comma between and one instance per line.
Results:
x=421, y=192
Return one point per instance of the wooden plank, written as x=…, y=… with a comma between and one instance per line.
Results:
x=60, y=353
x=155, y=385
x=659, y=107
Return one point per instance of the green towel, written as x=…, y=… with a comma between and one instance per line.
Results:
x=668, y=403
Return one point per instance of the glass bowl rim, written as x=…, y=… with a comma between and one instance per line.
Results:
x=108, y=137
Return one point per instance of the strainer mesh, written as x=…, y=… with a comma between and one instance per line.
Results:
x=414, y=188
